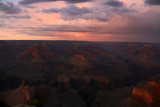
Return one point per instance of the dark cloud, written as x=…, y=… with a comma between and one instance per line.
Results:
x=17, y=17
x=120, y=11
x=30, y=7
x=96, y=16
x=138, y=26
x=51, y=10
x=25, y=2
x=152, y=2
x=114, y=3
x=72, y=12
x=69, y=10
x=137, y=29
x=9, y=8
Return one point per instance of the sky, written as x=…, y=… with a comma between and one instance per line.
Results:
x=80, y=20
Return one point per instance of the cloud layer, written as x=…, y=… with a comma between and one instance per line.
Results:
x=132, y=20
x=9, y=8
x=72, y=12
x=25, y=2
x=14, y=16
x=114, y=3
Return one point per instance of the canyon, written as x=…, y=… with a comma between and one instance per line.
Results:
x=80, y=74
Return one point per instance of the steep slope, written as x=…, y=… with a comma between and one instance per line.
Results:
x=24, y=93
x=17, y=96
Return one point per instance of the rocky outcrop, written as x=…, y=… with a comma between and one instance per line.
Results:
x=17, y=96
x=36, y=52
x=36, y=56
x=25, y=93
x=79, y=63
x=148, y=93
x=142, y=95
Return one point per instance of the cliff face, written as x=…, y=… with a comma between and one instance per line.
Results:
x=142, y=95
x=17, y=96
x=79, y=63
x=36, y=56
x=38, y=92
x=25, y=93
x=36, y=52
x=81, y=83
x=34, y=92
x=148, y=93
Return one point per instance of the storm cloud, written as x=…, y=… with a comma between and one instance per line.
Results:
x=114, y=3
x=25, y=2
x=9, y=8
x=153, y=2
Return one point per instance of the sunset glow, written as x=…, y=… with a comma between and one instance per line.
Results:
x=91, y=20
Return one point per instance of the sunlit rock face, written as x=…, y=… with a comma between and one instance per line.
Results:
x=148, y=93
x=142, y=95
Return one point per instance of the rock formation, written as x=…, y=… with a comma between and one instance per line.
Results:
x=148, y=93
